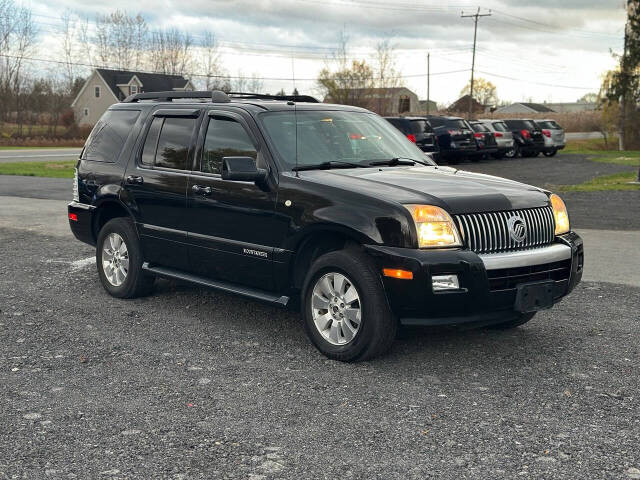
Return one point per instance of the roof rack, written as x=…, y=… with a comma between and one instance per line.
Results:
x=261, y=96
x=216, y=96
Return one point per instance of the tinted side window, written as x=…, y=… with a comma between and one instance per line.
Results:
x=109, y=135
x=151, y=142
x=500, y=126
x=396, y=122
x=419, y=126
x=225, y=138
x=174, y=142
x=436, y=122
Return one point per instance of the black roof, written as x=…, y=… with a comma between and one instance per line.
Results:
x=151, y=82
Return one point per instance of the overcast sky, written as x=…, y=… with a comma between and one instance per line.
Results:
x=553, y=50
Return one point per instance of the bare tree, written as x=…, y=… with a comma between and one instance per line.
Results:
x=69, y=47
x=386, y=75
x=17, y=37
x=171, y=51
x=251, y=84
x=210, y=62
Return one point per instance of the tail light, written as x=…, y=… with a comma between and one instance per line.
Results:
x=499, y=135
x=525, y=133
x=546, y=133
x=478, y=135
x=411, y=137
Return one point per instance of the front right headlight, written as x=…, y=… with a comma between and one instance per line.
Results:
x=435, y=227
x=560, y=214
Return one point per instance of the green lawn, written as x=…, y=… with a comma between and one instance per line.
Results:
x=617, y=181
x=39, y=169
x=29, y=148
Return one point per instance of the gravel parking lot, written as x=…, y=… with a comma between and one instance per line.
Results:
x=190, y=384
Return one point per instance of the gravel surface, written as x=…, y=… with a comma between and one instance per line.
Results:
x=189, y=384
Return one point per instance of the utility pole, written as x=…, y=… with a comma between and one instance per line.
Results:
x=475, y=17
x=428, y=81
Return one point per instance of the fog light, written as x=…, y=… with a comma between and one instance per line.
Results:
x=445, y=282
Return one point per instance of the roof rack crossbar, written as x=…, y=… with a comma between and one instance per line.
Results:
x=264, y=96
x=216, y=96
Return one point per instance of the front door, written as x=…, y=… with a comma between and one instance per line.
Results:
x=156, y=186
x=230, y=224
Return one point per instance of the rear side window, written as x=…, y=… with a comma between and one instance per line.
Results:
x=109, y=135
x=479, y=127
x=549, y=124
x=436, y=122
x=225, y=138
x=399, y=124
x=167, y=143
x=500, y=127
x=457, y=123
x=420, y=126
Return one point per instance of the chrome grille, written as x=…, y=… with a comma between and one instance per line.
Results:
x=489, y=232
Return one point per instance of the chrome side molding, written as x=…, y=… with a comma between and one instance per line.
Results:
x=535, y=256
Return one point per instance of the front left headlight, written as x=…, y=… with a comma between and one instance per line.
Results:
x=560, y=214
x=435, y=227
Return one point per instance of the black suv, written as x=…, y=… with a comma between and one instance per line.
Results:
x=527, y=136
x=455, y=137
x=485, y=139
x=418, y=130
x=325, y=208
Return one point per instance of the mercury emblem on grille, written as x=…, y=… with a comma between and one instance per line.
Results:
x=517, y=228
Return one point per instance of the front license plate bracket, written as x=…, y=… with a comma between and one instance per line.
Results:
x=534, y=296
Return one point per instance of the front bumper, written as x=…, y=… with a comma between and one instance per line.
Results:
x=488, y=283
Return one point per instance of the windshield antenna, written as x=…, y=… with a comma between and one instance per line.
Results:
x=295, y=116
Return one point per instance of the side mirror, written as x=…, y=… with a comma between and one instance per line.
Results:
x=242, y=169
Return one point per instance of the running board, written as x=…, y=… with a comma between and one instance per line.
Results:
x=217, y=284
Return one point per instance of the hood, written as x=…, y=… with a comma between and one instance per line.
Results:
x=454, y=190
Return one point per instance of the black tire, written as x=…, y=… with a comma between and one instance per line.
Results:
x=516, y=322
x=550, y=153
x=513, y=153
x=136, y=283
x=378, y=326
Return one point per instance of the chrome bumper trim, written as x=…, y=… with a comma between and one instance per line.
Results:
x=536, y=256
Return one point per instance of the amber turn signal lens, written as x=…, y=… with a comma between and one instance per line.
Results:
x=396, y=273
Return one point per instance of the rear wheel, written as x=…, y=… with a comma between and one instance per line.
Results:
x=345, y=309
x=119, y=260
x=516, y=322
x=513, y=152
x=550, y=153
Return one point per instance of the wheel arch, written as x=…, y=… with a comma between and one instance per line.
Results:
x=108, y=209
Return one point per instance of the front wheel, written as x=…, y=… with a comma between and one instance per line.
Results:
x=345, y=310
x=550, y=153
x=119, y=260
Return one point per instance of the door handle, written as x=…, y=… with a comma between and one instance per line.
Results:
x=135, y=179
x=201, y=190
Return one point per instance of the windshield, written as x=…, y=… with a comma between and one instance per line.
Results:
x=336, y=136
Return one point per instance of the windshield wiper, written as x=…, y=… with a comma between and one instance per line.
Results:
x=392, y=162
x=328, y=165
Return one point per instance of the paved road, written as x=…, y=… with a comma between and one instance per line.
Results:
x=36, y=187
x=39, y=155
x=582, y=135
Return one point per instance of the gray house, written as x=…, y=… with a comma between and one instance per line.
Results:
x=524, y=107
x=105, y=87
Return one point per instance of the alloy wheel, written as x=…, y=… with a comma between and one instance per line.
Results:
x=336, y=308
x=115, y=259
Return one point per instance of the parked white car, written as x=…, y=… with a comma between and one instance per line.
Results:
x=554, y=138
x=504, y=138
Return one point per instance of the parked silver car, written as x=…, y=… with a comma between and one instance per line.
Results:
x=504, y=138
x=554, y=139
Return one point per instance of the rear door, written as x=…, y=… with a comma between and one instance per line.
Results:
x=230, y=224
x=156, y=185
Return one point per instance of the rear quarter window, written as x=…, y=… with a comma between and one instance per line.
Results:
x=399, y=124
x=419, y=126
x=109, y=136
x=500, y=127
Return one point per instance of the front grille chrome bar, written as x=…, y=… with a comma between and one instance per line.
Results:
x=489, y=232
x=523, y=258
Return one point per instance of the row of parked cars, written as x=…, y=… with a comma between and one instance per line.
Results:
x=454, y=139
